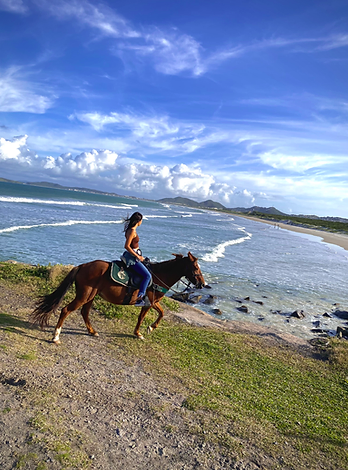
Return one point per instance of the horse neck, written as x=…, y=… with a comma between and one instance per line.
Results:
x=169, y=272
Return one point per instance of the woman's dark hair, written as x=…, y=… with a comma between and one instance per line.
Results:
x=129, y=222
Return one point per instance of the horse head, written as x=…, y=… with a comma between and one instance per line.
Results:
x=192, y=270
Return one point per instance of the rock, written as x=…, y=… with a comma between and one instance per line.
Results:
x=235, y=299
x=343, y=314
x=181, y=297
x=217, y=311
x=247, y=298
x=242, y=308
x=209, y=300
x=317, y=330
x=342, y=332
x=258, y=302
x=276, y=311
x=327, y=315
x=207, y=287
x=298, y=314
x=316, y=324
x=195, y=299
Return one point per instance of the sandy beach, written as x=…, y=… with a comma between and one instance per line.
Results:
x=326, y=237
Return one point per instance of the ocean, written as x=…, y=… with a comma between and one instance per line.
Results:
x=277, y=270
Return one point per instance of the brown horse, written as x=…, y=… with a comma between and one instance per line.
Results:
x=94, y=278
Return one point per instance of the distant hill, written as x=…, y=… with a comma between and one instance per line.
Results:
x=183, y=201
x=262, y=210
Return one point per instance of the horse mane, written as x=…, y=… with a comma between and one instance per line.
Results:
x=159, y=264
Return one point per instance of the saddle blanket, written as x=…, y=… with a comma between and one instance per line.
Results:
x=119, y=274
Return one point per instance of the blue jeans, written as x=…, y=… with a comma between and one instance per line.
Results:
x=143, y=272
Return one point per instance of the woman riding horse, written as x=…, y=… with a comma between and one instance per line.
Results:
x=133, y=256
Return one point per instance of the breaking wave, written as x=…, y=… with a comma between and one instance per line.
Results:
x=25, y=200
x=219, y=250
x=60, y=224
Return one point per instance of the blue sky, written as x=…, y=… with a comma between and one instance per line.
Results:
x=243, y=102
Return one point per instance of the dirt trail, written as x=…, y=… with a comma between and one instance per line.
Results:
x=83, y=404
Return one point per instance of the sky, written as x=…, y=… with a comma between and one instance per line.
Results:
x=243, y=102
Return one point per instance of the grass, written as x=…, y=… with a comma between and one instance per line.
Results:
x=242, y=391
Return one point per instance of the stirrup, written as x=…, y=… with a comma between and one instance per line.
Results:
x=140, y=302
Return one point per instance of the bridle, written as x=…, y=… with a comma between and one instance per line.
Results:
x=187, y=285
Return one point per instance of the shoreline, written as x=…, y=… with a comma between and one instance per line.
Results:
x=338, y=239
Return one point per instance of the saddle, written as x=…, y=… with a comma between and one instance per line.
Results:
x=120, y=274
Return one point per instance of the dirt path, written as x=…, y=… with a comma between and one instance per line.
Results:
x=84, y=404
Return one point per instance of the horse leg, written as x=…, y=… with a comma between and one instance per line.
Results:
x=160, y=311
x=85, y=314
x=141, y=317
x=74, y=305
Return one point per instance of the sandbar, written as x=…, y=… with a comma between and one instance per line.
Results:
x=338, y=239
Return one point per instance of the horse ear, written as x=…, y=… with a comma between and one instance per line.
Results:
x=191, y=257
x=177, y=256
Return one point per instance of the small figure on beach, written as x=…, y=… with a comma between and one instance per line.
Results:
x=133, y=255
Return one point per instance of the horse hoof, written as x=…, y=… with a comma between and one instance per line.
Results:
x=94, y=334
x=149, y=330
x=56, y=341
x=139, y=336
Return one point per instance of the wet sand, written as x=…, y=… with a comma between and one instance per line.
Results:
x=326, y=237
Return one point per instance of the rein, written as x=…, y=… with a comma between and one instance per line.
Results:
x=168, y=287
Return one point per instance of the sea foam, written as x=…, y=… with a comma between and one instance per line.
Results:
x=60, y=224
x=219, y=250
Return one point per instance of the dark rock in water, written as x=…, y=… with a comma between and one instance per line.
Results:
x=327, y=315
x=207, y=287
x=258, y=302
x=276, y=311
x=335, y=304
x=242, y=308
x=343, y=314
x=316, y=324
x=317, y=330
x=181, y=297
x=342, y=332
x=210, y=300
x=217, y=311
x=264, y=297
x=298, y=314
x=247, y=298
x=261, y=318
x=235, y=299
x=195, y=299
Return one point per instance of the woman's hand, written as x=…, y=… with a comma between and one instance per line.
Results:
x=141, y=258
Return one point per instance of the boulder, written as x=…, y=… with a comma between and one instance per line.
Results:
x=210, y=299
x=183, y=297
x=327, y=315
x=342, y=332
x=216, y=311
x=242, y=308
x=195, y=299
x=343, y=314
x=258, y=302
x=298, y=314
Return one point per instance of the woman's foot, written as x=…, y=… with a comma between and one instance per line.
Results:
x=140, y=302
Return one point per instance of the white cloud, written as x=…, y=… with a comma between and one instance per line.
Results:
x=16, y=150
x=99, y=17
x=19, y=95
x=297, y=163
x=14, y=6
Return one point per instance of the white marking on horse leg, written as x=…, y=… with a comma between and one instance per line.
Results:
x=56, y=335
x=149, y=329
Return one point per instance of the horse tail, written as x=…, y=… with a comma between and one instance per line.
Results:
x=49, y=303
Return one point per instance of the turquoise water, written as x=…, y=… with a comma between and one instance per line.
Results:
x=239, y=258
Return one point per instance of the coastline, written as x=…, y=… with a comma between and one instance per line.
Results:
x=338, y=239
